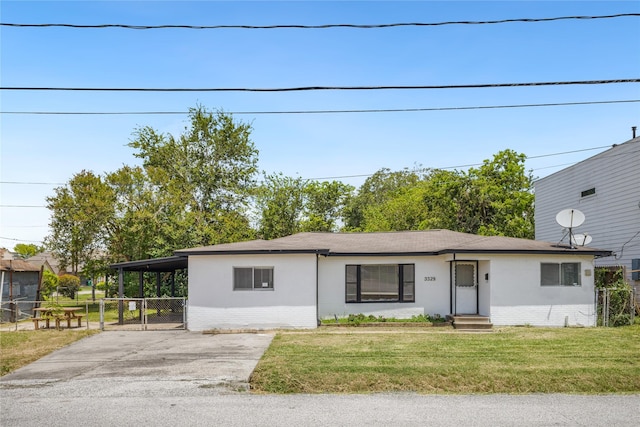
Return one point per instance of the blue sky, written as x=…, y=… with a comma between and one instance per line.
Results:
x=52, y=148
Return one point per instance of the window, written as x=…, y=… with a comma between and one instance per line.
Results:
x=250, y=278
x=465, y=275
x=565, y=274
x=380, y=283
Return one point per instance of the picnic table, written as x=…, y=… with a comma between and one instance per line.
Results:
x=58, y=314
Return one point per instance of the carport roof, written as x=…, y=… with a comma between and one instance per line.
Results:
x=161, y=265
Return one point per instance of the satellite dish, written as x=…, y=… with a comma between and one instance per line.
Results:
x=570, y=218
x=581, y=239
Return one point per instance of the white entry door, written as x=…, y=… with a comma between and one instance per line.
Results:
x=466, y=288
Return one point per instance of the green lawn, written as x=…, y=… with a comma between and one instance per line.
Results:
x=509, y=360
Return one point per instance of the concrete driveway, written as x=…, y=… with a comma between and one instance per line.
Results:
x=164, y=357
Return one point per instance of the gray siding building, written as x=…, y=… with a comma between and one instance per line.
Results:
x=606, y=188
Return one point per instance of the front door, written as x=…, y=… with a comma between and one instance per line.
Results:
x=465, y=287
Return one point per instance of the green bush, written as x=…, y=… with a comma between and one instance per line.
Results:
x=49, y=284
x=68, y=285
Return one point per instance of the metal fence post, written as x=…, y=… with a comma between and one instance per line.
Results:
x=102, y=314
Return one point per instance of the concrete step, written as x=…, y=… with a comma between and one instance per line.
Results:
x=471, y=322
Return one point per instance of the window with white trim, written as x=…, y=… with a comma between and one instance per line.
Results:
x=560, y=274
x=380, y=283
x=252, y=278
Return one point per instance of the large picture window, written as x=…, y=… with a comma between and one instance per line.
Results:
x=380, y=283
x=556, y=274
x=250, y=278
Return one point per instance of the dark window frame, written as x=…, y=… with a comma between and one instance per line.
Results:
x=402, y=282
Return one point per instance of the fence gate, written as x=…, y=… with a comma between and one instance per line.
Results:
x=143, y=313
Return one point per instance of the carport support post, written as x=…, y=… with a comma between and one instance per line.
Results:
x=120, y=296
x=140, y=284
x=158, y=292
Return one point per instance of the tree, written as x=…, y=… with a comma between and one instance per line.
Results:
x=27, y=250
x=133, y=232
x=290, y=205
x=501, y=196
x=202, y=179
x=494, y=199
x=49, y=283
x=324, y=205
x=280, y=201
x=68, y=285
x=80, y=211
x=376, y=190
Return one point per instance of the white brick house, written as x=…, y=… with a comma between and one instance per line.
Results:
x=293, y=281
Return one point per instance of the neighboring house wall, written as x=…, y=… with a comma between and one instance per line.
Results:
x=612, y=213
x=517, y=297
x=213, y=303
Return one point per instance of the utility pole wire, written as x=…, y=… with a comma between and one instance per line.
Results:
x=377, y=110
x=315, y=27
x=313, y=88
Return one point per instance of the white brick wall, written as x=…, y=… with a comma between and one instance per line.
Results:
x=204, y=318
x=544, y=315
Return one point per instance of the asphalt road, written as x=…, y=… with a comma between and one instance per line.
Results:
x=189, y=379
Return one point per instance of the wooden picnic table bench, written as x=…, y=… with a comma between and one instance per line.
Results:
x=67, y=315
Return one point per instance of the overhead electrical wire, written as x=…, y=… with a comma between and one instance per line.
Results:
x=377, y=110
x=314, y=88
x=345, y=176
x=315, y=27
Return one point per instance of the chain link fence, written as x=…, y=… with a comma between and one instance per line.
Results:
x=143, y=313
x=105, y=314
x=615, y=307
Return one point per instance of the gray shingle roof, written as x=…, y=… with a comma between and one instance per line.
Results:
x=402, y=242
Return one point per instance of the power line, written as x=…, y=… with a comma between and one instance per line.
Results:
x=379, y=110
x=21, y=206
x=20, y=240
x=314, y=88
x=322, y=26
x=32, y=183
x=348, y=176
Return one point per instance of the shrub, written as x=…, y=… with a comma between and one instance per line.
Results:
x=68, y=285
x=49, y=284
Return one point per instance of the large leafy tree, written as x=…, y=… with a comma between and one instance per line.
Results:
x=80, y=211
x=382, y=186
x=289, y=205
x=494, y=199
x=203, y=180
x=134, y=229
x=324, y=205
x=280, y=203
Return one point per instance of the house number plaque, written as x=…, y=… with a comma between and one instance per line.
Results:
x=429, y=278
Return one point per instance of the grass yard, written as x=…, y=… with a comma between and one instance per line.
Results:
x=19, y=348
x=509, y=360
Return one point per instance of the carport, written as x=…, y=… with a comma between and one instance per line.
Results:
x=158, y=266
